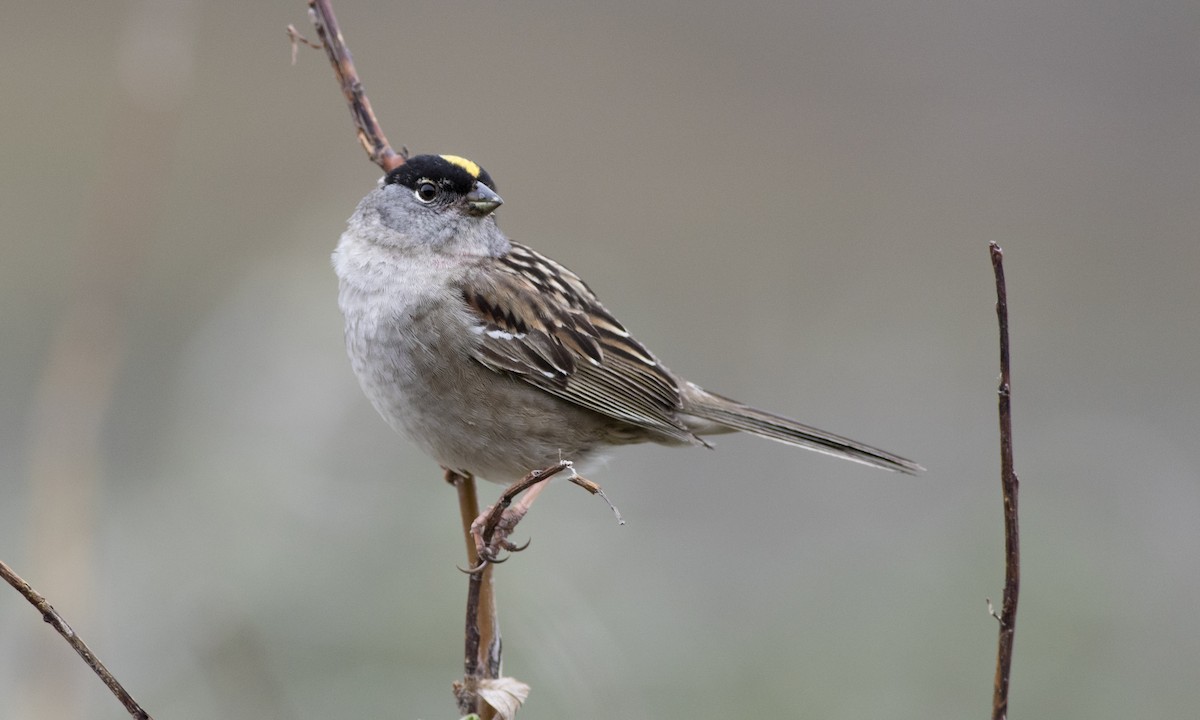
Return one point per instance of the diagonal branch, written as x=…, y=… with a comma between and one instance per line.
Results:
x=370, y=135
x=1009, y=486
x=50, y=615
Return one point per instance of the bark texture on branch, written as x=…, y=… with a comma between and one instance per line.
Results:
x=1009, y=486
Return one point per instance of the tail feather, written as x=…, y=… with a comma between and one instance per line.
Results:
x=735, y=415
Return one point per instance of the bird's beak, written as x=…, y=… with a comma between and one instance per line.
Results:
x=482, y=200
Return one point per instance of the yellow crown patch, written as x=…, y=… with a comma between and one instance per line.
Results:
x=463, y=163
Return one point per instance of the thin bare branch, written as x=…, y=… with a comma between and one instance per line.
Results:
x=484, y=534
x=50, y=615
x=1009, y=485
x=482, y=647
x=482, y=624
x=370, y=135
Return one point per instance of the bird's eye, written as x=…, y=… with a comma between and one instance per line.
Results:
x=426, y=192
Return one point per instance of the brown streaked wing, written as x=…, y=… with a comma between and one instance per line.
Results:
x=540, y=322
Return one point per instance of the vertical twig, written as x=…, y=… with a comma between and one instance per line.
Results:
x=481, y=654
x=1009, y=485
x=50, y=615
x=482, y=651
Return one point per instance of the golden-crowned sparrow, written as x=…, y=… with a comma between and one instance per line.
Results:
x=497, y=360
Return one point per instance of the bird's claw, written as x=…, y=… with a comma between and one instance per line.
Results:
x=488, y=550
x=490, y=554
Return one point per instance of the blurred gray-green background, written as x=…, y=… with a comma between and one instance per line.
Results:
x=790, y=202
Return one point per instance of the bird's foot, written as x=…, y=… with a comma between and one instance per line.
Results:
x=491, y=530
x=490, y=550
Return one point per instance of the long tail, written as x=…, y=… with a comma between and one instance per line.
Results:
x=732, y=414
